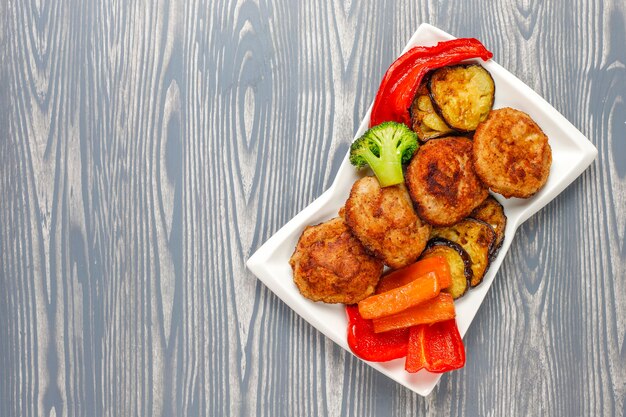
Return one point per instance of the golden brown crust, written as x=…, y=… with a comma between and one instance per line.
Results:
x=385, y=222
x=331, y=265
x=442, y=181
x=511, y=153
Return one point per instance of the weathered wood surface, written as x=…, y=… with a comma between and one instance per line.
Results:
x=148, y=148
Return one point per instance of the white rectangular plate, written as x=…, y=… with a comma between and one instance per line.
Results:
x=572, y=153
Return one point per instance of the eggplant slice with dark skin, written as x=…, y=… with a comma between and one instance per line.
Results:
x=458, y=260
x=462, y=95
x=476, y=237
x=425, y=120
x=491, y=212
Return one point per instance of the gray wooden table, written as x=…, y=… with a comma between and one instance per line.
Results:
x=148, y=148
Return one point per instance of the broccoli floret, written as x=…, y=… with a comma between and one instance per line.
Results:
x=385, y=148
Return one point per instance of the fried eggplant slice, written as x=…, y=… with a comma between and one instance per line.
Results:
x=463, y=95
x=458, y=260
x=476, y=237
x=491, y=212
x=425, y=120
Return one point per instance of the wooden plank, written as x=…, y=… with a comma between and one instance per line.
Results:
x=149, y=148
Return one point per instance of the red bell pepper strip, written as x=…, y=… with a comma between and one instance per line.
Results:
x=371, y=346
x=399, y=85
x=416, y=352
x=435, y=347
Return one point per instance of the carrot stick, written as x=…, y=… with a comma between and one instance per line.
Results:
x=394, y=301
x=403, y=276
x=434, y=310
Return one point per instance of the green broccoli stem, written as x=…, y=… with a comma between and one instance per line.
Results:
x=388, y=173
x=388, y=168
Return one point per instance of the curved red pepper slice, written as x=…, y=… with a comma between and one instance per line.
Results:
x=436, y=347
x=399, y=85
x=371, y=346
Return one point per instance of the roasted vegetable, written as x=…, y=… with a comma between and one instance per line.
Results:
x=424, y=118
x=459, y=263
x=394, y=301
x=403, y=276
x=436, y=309
x=477, y=238
x=491, y=212
x=402, y=79
x=462, y=94
x=436, y=348
x=368, y=345
x=385, y=148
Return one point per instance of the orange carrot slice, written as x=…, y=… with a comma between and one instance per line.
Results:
x=434, y=310
x=403, y=276
x=394, y=301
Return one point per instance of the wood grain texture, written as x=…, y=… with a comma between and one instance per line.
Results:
x=148, y=148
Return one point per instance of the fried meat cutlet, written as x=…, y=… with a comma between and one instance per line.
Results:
x=511, y=153
x=385, y=222
x=331, y=265
x=442, y=181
